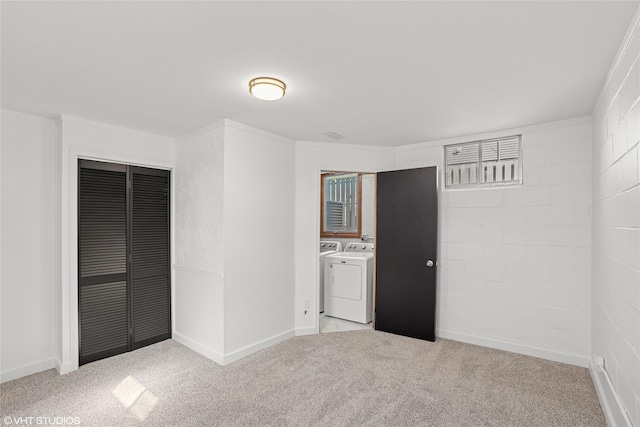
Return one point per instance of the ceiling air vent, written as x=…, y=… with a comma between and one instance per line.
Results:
x=334, y=135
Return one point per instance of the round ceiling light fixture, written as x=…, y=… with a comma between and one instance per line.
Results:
x=267, y=88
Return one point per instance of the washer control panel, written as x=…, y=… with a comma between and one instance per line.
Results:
x=359, y=247
x=326, y=246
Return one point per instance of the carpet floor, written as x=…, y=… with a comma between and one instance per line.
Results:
x=339, y=379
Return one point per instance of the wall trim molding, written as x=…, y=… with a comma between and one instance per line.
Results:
x=338, y=146
x=64, y=368
x=617, y=60
x=204, y=129
x=259, y=132
x=199, y=348
x=73, y=119
x=207, y=273
x=608, y=398
x=527, y=350
x=540, y=127
x=260, y=345
x=29, y=369
x=305, y=331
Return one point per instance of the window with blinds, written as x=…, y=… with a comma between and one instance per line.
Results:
x=484, y=163
x=341, y=200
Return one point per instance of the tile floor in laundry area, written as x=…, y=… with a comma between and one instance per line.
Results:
x=333, y=324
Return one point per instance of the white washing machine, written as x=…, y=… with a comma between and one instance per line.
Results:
x=348, y=283
x=326, y=248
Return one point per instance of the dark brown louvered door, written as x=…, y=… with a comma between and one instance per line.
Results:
x=102, y=260
x=150, y=291
x=123, y=258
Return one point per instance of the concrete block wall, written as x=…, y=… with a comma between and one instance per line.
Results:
x=616, y=224
x=515, y=262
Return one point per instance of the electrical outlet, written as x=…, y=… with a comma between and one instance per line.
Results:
x=307, y=304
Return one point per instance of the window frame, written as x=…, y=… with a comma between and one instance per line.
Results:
x=341, y=234
x=480, y=162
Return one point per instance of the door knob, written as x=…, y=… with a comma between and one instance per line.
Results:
x=429, y=263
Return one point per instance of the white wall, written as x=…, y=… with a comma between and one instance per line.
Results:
x=616, y=226
x=514, y=269
x=78, y=138
x=234, y=240
x=199, y=242
x=258, y=227
x=310, y=159
x=28, y=245
x=368, y=204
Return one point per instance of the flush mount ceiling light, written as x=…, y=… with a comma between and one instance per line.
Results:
x=267, y=88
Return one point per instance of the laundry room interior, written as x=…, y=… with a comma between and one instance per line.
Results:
x=352, y=196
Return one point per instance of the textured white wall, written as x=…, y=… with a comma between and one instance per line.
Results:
x=258, y=226
x=28, y=245
x=199, y=185
x=234, y=240
x=616, y=224
x=199, y=241
x=310, y=159
x=515, y=263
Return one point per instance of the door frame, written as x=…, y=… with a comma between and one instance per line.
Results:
x=129, y=171
x=316, y=240
x=67, y=243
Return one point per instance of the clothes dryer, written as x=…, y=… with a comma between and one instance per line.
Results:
x=348, y=278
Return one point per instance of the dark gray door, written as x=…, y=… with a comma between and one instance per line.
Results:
x=102, y=260
x=406, y=252
x=123, y=258
x=151, y=293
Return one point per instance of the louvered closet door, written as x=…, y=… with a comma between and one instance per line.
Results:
x=150, y=291
x=102, y=260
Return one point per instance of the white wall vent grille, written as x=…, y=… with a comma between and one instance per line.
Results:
x=334, y=135
x=484, y=163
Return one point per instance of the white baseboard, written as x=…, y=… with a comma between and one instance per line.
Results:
x=243, y=352
x=24, y=370
x=65, y=368
x=608, y=399
x=542, y=353
x=199, y=348
x=305, y=331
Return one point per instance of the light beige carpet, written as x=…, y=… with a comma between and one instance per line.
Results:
x=339, y=379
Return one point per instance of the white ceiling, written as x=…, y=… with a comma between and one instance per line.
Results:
x=380, y=73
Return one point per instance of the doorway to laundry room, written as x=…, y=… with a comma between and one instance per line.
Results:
x=378, y=251
x=346, y=252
